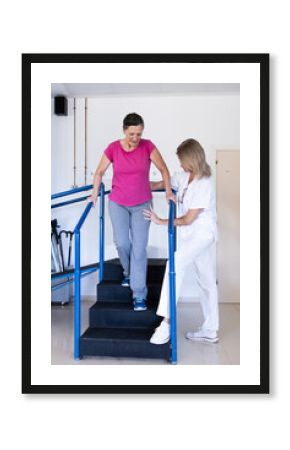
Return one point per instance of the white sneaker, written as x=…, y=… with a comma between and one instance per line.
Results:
x=161, y=334
x=203, y=336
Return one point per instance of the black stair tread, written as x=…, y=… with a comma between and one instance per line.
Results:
x=117, y=283
x=112, y=290
x=155, y=270
x=113, y=314
x=124, y=334
x=111, y=304
x=150, y=261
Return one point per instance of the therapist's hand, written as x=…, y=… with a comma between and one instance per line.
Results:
x=149, y=214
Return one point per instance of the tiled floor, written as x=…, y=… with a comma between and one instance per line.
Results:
x=227, y=351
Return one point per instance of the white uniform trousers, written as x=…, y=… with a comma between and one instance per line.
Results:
x=196, y=252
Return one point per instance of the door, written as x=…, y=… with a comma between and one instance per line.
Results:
x=228, y=211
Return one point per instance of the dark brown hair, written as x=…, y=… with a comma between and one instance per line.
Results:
x=132, y=119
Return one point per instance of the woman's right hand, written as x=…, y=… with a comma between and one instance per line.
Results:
x=93, y=198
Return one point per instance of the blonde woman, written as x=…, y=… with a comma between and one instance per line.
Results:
x=197, y=239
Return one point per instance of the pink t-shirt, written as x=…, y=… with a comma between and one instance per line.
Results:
x=130, y=184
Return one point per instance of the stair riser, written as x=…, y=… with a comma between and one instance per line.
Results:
x=123, y=349
x=114, y=272
x=123, y=319
x=119, y=293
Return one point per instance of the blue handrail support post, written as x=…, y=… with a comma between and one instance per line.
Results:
x=102, y=230
x=77, y=277
x=172, y=290
x=77, y=299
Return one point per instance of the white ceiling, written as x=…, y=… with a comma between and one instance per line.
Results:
x=104, y=89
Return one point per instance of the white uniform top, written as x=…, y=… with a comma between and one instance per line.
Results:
x=199, y=194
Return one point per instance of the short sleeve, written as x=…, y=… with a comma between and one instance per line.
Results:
x=174, y=181
x=201, y=195
x=150, y=146
x=178, y=180
x=109, y=152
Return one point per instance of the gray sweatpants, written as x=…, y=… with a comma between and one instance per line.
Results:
x=131, y=232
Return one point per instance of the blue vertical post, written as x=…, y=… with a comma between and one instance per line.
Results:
x=172, y=290
x=174, y=232
x=77, y=308
x=102, y=229
x=77, y=276
x=174, y=228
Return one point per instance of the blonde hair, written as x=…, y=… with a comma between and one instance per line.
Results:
x=191, y=152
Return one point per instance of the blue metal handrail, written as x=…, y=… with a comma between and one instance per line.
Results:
x=69, y=272
x=74, y=200
x=71, y=191
x=84, y=273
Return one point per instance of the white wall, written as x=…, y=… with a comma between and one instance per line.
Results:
x=213, y=119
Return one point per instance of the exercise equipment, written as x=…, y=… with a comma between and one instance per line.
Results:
x=61, y=290
x=70, y=234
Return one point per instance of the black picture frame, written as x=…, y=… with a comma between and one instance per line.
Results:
x=263, y=61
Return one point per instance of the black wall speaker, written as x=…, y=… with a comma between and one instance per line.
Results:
x=60, y=106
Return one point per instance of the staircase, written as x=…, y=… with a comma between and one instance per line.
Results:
x=115, y=329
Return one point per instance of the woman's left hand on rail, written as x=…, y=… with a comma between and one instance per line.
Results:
x=170, y=196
